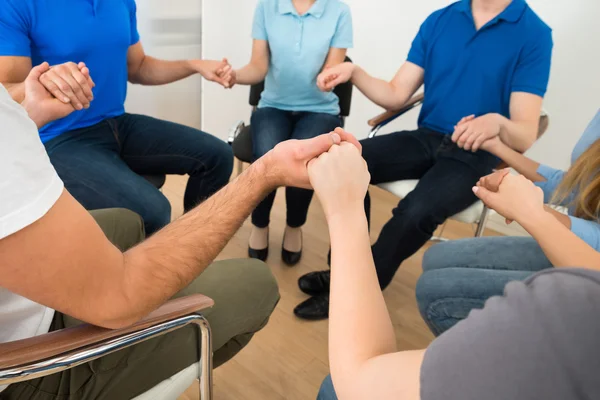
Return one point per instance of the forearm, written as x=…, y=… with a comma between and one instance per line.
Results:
x=562, y=247
x=153, y=71
x=384, y=94
x=16, y=91
x=360, y=328
x=251, y=74
x=520, y=135
x=517, y=161
x=560, y=217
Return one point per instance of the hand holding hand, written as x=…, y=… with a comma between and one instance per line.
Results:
x=286, y=164
x=516, y=200
x=212, y=70
x=493, y=181
x=229, y=77
x=70, y=83
x=39, y=103
x=331, y=77
x=470, y=133
x=340, y=178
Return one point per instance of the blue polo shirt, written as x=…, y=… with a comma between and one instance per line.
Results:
x=299, y=45
x=474, y=72
x=97, y=32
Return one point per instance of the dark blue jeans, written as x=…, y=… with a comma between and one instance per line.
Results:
x=446, y=176
x=101, y=164
x=271, y=126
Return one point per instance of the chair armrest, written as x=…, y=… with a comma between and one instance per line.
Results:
x=29, y=351
x=393, y=114
x=234, y=131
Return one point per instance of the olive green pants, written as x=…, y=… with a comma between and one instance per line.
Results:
x=245, y=294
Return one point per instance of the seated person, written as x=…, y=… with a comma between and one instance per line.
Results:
x=294, y=40
x=461, y=275
x=490, y=59
x=100, y=151
x=537, y=341
x=53, y=256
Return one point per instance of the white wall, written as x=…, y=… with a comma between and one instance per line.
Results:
x=384, y=30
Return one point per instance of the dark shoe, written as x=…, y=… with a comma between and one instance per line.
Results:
x=258, y=254
x=290, y=258
x=315, y=283
x=313, y=309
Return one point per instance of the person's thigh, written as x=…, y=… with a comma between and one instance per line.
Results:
x=447, y=296
x=310, y=124
x=501, y=253
x=327, y=391
x=100, y=179
x=153, y=146
x=399, y=156
x=122, y=227
x=269, y=127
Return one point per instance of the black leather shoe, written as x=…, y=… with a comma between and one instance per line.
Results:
x=258, y=254
x=313, y=309
x=315, y=283
x=291, y=258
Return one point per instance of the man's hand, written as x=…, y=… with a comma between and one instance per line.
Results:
x=70, y=83
x=340, y=179
x=286, y=164
x=42, y=106
x=470, y=133
x=493, y=181
x=517, y=198
x=212, y=70
x=334, y=76
x=229, y=77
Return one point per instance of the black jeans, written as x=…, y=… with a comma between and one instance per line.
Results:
x=101, y=164
x=271, y=126
x=446, y=176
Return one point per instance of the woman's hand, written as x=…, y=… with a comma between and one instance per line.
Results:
x=334, y=76
x=517, y=198
x=212, y=70
x=470, y=133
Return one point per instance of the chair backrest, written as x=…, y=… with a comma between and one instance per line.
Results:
x=343, y=92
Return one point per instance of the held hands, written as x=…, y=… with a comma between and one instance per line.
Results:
x=39, y=103
x=331, y=77
x=470, y=133
x=516, y=199
x=214, y=71
x=70, y=83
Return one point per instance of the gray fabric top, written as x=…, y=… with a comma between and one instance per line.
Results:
x=541, y=340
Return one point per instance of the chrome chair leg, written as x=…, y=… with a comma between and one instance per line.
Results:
x=205, y=375
x=482, y=222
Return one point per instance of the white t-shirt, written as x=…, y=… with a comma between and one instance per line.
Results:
x=29, y=187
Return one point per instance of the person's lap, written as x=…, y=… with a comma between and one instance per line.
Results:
x=245, y=294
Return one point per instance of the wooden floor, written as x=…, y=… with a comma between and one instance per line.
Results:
x=288, y=359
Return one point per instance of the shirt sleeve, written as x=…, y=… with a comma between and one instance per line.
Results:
x=553, y=178
x=259, y=30
x=15, y=24
x=134, y=34
x=533, y=69
x=343, y=38
x=417, y=52
x=588, y=231
x=530, y=343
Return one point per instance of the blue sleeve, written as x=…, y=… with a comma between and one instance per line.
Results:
x=343, y=38
x=15, y=24
x=533, y=68
x=259, y=31
x=553, y=178
x=588, y=231
x=417, y=52
x=134, y=34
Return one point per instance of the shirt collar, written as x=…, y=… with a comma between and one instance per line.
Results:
x=512, y=13
x=317, y=9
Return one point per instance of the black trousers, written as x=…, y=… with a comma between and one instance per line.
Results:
x=446, y=176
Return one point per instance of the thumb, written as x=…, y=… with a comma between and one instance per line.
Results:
x=313, y=148
x=485, y=195
x=38, y=71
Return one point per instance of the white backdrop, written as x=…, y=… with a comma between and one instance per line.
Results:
x=383, y=31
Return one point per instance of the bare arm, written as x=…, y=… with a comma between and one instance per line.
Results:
x=521, y=130
x=334, y=57
x=515, y=160
x=13, y=71
x=255, y=71
x=147, y=70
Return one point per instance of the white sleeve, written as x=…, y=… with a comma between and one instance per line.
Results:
x=29, y=185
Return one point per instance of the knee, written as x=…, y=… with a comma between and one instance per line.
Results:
x=123, y=227
x=439, y=256
x=327, y=391
x=222, y=163
x=417, y=214
x=263, y=285
x=156, y=213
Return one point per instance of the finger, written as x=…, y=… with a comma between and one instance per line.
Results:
x=485, y=195
x=335, y=81
x=311, y=148
x=80, y=100
x=82, y=81
x=508, y=221
x=466, y=119
x=464, y=136
x=470, y=140
x=458, y=132
x=348, y=137
x=478, y=142
x=49, y=80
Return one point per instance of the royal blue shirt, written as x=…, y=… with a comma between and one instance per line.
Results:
x=97, y=32
x=474, y=72
x=299, y=45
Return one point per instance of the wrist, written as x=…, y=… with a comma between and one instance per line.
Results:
x=534, y=220
x=266, y=168
x=344, y=213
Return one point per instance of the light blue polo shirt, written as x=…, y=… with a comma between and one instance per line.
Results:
x=299, y=45
x=97, y=32
x=469, y=71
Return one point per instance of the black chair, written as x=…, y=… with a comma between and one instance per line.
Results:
x=157, y=180
x=240, y=137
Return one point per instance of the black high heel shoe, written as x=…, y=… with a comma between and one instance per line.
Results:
x=261, y=254
x=291, y=258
